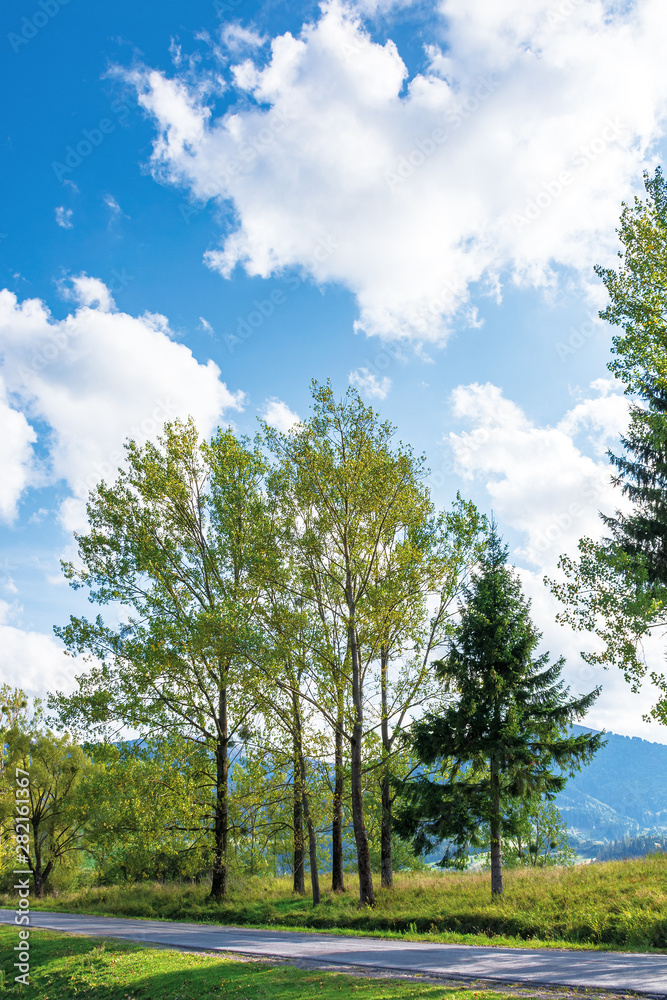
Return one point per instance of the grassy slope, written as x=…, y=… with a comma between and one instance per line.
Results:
x=619, y=904
x=65, y=967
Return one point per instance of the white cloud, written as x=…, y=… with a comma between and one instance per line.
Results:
x=64, y=217
x=368, y=385
x=508, y=155
x=617, y=709
x=372, y=7
x=95, y=378
x=539, y=481
x=236, y=38
x=32, y=660
x=278, y=414
x=206, y=326
x=113, y=205
x=16, y=456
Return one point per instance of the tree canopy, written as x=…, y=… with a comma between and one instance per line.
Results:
x=504, y=736
x=617, y=587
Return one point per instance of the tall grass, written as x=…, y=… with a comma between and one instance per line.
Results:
x=620, y=904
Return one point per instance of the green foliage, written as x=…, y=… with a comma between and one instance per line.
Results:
x=638, y=291
x=632, y=847
x=44, y=772
x=617, y=588
x=539, y=838
x=355, y=516
x=182, y=543
x=150, y=803
x=503, y=739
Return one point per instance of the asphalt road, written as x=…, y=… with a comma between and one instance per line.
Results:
x=613, y=971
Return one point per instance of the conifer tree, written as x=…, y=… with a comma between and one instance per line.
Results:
x=642, y=478
x=617, y=587
x=504, y=736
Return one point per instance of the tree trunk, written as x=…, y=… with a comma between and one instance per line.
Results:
x=312, y=839
x=39, y=874
x=39, y=884
x=496, y=858
x=366, y=892
x=386, y=866
x=219, y=881
x=298, y=881
x=337, y=882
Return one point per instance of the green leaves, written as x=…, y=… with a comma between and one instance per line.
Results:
x=638, y=290
x=617, y=588
x=503, y=738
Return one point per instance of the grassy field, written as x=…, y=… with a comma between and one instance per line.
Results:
x=65, y=967
x=619, y=904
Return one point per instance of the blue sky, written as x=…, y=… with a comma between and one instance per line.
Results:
x=207, y=207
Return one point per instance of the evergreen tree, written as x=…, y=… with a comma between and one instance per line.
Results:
x=617, y=588
x=642, y=477
x=503, y=738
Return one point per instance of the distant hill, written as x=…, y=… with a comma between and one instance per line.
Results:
x=621, y=793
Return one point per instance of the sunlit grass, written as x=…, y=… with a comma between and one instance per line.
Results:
x=618, y=904
x=64, y=966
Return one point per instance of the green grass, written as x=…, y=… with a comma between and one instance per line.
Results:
x=65, y=967
x=616, y=905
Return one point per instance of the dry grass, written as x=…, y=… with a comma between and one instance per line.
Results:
x=618, y=904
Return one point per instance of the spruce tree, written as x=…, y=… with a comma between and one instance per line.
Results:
x=638, y=303
x=504, y=735
x=617, y=587
x=642, y=477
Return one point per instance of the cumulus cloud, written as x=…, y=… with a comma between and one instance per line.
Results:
x=368, y=385
x=548, y=484
x=541, y=481
x=16, y=456
x=64, y=217
x=93, y=379
x=32, y=660
x=506, y=157
x=278, y=414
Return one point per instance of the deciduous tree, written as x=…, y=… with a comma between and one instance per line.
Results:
x=179, y=546
x=348, y=492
